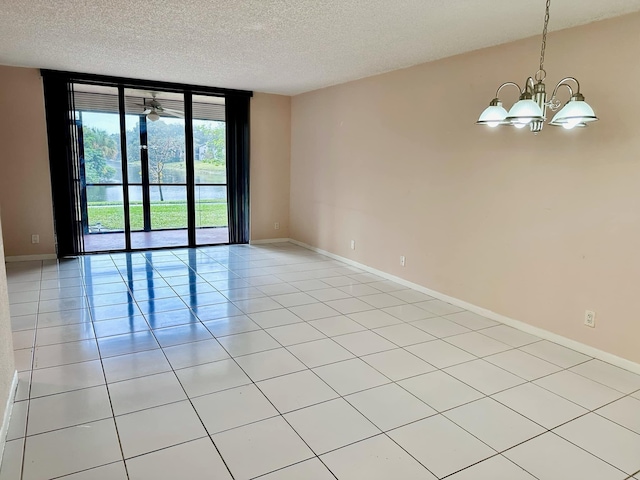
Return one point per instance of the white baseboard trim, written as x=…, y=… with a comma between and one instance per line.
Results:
x=525, y=327
x=30, y=258
x=269, y=240
x=7, y=413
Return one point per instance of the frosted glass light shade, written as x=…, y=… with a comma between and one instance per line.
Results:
x=525, y=112
x=153, y=116
x=574, y=113
x=493, y=116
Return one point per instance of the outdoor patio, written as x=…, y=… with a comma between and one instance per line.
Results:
x=102, y=242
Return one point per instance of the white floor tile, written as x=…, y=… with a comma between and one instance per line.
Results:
x=556, y=354
x=364, y=343
x=241, y=405
x=145, y=392
x=411, y=296
x=113, y=471
x=158, y=427
x=440, y=445
x=65, y=353
x=350, y=376
x=193, y=332
x=18, y=421
x=328, y=294
x=404, y=334
x=578, y=389
x=275, y=318
x=609, y=375
x=356, y=289
x=312, y=469
x=494, y=468
x=11, y=467
x=440, y=391
x=374, y=319
x=440, y=353
x=625, y=412
x=249, y=342
x=129, y=343
x=561, y=460
x=188, y=460
x=540, y=405
x=260, y=448
x=348, y=305
x=135, y=365
x=68, y=409
x=320, y=352
x=438, y=307
x=510, y=335
x=604, y=439
x=389, y=406
x=272, y=363
x=522, y=364
x=440, y=327
x=195, y=353
x=48, y=381
x=211, y=377
x=376, y=458
x=496, y=425
x=382, y=300
x=255, y=305
x=294, y=299
x=70, y=450
x=338, y=325
x=398, y=364
x=296, y=390
x=477, y=344
x=314, y=311
x=330, y=425
x=118, y=326
x=295, y=333
x=230, y=325
x=408, y=312
x=484, y=376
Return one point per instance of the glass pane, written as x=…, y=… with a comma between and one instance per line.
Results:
x=101, y=146
x=211, y=215
x=105, y=210
x=136, y=214
x=168, y=207
x=134, y=170
x=209, y=140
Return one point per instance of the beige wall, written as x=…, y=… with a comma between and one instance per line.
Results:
x=538, y=228
x=7, y=367
x=25, y=185
x=270, y=158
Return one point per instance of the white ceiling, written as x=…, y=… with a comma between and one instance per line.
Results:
x=276, y=46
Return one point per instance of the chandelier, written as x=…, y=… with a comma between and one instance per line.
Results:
x=530, y=109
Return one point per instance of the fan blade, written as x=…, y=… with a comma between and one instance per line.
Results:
x=175, y=113
x=147, y=111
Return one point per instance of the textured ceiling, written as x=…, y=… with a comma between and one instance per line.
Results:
x=277, y=46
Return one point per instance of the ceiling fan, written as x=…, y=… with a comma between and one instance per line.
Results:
x=153, y=109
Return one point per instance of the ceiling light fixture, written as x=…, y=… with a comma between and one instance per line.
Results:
x=153, y=116
x=530, y=109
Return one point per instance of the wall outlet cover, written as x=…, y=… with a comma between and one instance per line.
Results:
x=590, y=318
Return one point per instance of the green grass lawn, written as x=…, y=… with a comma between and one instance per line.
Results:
x=163, y=215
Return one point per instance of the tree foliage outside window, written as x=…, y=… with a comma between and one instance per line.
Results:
x=99, y=148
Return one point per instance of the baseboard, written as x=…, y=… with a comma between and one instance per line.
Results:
x=269, y=240
x=7, y=414
x=525, y=327
x=30, y=258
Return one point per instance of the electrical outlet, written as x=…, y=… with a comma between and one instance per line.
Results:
x=35, y=238
x=590, y=318
x=276, y=226
x=353, y=244
x=402, y=261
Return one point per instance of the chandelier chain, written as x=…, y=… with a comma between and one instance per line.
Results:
x=544, y=35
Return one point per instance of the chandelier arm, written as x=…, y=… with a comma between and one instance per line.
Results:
x=529, y=85
x=553, y=102
x=505, y=84
x=562, y=82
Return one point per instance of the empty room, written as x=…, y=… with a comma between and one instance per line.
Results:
x=335, y=240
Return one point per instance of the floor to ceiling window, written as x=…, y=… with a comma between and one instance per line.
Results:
x=150, y=168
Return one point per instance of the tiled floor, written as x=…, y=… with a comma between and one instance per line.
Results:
x=276, y=362
x=102, y=242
